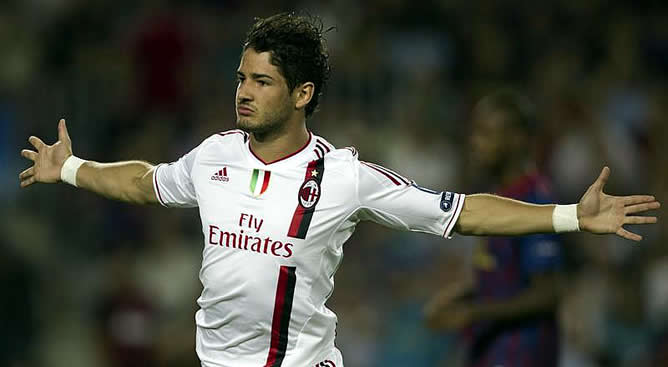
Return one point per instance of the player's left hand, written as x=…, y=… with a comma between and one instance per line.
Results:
x=601, y=213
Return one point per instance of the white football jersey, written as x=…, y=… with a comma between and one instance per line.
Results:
x=273, y=239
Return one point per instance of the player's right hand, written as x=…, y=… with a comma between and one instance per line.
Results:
x=48, y=159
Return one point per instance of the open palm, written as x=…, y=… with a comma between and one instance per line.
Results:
x=601, y=213
x=48, y=159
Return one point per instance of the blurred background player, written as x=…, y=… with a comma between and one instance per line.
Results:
x=511, y=303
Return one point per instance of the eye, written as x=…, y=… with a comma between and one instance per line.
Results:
x=262, y=83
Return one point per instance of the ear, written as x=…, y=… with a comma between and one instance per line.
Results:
x=304, y=93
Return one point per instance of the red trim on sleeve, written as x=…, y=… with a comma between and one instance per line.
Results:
x=382, y=172
x=458, y=209
x=157, y=187
x=398, y=176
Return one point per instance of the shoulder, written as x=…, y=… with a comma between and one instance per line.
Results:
x=234, y=135
x=344, y=159
x=339, y=163
x=219, y=145
x=324, y=149
x=321, y=148
x=225, y=138
x=348, y=159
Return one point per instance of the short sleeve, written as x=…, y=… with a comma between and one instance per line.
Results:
x=173, y=183
x=389, y=199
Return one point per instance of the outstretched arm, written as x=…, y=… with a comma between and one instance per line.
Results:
x=597, y=212
x=126, y=181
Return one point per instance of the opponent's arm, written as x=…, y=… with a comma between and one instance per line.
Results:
x=541, y=296
x=130, y=181
x=597, y=212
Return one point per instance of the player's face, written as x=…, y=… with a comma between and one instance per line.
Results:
x=488, y=138
x=263, y=101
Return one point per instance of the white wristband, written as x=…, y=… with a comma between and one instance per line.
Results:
x=69, y=171
x=565, y=218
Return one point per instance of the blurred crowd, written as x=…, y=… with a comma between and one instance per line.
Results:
x=90, y=282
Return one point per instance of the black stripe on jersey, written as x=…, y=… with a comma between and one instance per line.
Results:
x=319, y=149
x=285, y=292
x=287, y=314
x=320, y=142
x=235, y=131
x=308, y=214
x=301, y=219
x=353, y=150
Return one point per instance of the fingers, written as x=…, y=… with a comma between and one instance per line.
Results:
x=28, y=181
x=27, y=173
x=637, y=199
x=602, y=179
x=639, y=220
x=628, y=235
x=27, y=177
x=37, y=143
x=30, y=154
x=644, y=206
x=63, y=135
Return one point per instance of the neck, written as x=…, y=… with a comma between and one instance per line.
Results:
x=272, y=146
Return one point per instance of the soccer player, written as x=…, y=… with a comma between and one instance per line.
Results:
x=277, y=202
x=511, y=305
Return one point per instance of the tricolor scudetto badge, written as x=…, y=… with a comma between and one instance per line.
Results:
x=259, y=182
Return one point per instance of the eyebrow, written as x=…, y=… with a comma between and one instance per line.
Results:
x=255, y=75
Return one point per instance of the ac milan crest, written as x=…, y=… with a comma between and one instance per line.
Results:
x=309, y=193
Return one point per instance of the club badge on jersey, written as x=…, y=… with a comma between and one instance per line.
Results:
x=309, y=193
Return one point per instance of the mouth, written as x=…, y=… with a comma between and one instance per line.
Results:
x=244, y=111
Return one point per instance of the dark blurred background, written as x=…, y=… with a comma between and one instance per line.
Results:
x=89, y=282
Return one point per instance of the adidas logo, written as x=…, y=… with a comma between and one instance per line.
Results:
x=221, y=175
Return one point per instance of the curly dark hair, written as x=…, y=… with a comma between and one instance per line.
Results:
x=518, y=109
x=297, y=48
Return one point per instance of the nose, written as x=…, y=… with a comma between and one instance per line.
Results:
x=243, y=93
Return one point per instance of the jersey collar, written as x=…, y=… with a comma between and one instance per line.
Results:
x=308, y=142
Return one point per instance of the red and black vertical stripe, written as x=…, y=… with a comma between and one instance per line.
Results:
x=301, y=219
x=280, y=323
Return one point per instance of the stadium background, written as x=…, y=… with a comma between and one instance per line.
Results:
x=89, y=282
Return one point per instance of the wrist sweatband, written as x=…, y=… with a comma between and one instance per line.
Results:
x=69, y=171
x=565, y=218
